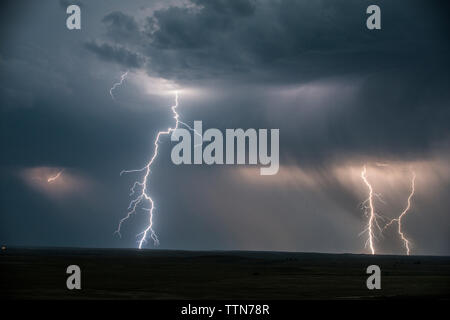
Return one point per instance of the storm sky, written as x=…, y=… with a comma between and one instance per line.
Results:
x=342, y=96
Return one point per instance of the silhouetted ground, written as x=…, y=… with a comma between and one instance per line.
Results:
x=161, y=274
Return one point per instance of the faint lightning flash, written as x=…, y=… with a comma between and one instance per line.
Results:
x=117, y=84
x=404, y=212
x=53, y=178
x=370, y=213
x=144, y=196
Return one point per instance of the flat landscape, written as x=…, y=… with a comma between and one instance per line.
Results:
x=165, y=274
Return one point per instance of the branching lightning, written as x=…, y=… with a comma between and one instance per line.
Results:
x=373, y=217
x=56, y=176
x=369, y=211
x=143, y=198
x=117, y=84
x=404, y=213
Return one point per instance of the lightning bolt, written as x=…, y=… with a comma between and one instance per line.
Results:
x=404, y=213
x=369, y=211
x=143, y=198
x=56, y=176
x=117, y=84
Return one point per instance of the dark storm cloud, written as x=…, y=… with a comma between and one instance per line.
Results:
x=399, y=71
x=121, y=27
x=286, y=40
x=114, y=53
x=281, y=41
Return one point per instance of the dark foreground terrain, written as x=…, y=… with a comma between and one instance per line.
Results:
x=159, y=274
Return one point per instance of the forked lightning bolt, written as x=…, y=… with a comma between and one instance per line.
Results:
x=143, y=198
x=404, y=213
x=115, y=85
x=370, y=213
x=56, y=176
